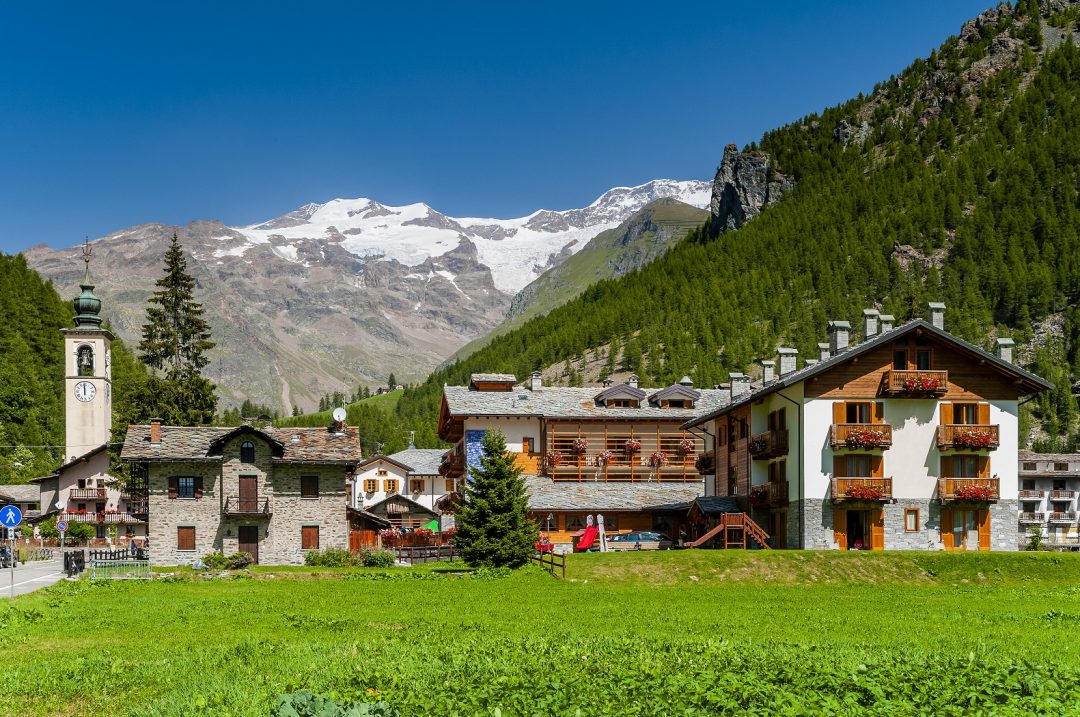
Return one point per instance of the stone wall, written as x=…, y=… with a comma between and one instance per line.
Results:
x=1003, y=521
x=167, y=514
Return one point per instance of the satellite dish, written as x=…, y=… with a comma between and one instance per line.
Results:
x=339, y=414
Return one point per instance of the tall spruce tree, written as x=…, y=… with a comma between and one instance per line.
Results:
x=175, y=339
x=493, y=525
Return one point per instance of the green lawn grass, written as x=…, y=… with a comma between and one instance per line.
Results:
x=691, y=632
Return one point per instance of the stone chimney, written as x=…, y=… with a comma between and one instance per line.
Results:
x=870, y=323
x=725, y=392
x=155, y=431
x=740, y=384
x=937, y=315
x=536, y=381
x=1005, y=349
x=887, y=322
x=685, y=381
x=823, y=351
x=768, y=371
x=632, y=381
x=811, y=362
x=608, y=383
x=839, y=334
x=787, y=360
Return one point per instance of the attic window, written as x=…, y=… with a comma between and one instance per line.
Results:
x=622, y=403
x=247, y=452
x=680, y=403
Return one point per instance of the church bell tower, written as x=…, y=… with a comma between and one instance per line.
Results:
x=87, y=373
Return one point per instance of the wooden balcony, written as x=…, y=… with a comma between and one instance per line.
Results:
x=770, y=444
x=953, y=489
x=1028, y=518
x=847, y=489
x=1068, y=516
x=773, y=494
x=635, y=468
x=527, y=462
x=235, y=506
x=967, y=437
x=861, y=436
x=1031, y=494
x=102, y=518
x=1062, y=494
x=88, y=494
x=915, y=384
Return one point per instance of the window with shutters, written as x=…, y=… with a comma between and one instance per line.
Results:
x=965, y=414
x=370, y=485
x=859, y=412
x=185, y=537
x=449, y=485
x=911, y=520
x=416, y=485
x=247, y=452
x=1029, y=466
x=309, y=537
x=309, y=486
x=185, y=487
x=966, y=466
x=1061, y=466
x=390, y=486
x=923, y=359
x=527, y=445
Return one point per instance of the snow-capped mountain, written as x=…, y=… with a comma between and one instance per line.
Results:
x=333, y=295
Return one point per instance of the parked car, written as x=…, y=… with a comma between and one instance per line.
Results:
x=640, y=540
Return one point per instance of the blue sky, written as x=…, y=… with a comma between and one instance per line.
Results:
x=115, y=114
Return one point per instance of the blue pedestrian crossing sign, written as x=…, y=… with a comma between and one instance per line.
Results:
x=10, y=516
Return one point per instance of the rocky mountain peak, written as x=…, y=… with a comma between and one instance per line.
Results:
x=745, y=184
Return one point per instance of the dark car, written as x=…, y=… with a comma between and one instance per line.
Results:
x=640, y=540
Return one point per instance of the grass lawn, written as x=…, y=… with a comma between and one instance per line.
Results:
x=686, y=633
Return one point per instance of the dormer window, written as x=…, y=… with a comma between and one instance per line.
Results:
x=622, y=403
x=247, y=452
x=84, y=360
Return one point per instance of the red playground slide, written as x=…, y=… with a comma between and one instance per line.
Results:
x=588, y=537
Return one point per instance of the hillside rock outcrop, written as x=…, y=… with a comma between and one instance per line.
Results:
x=745, y=184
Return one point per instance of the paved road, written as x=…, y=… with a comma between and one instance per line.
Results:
x=31, y=576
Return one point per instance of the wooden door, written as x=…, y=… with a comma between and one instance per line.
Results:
x=947, y=529
x=249, y=540
x=984, y=529
x=779, y=529
x=840, y=528
x=877, y=529
x=249, y=496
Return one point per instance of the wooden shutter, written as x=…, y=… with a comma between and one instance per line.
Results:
x=185, y=538
x=946, y=529
x=984, y=414
x=781, y=419
x=309, y=537
x=877, y=467
x=947, y=467
x=946, y=414
x=879, y=412
x=984, y=529
x=984, y=466
x=839, y=412
x=198, y=486
x=839, y=466
x=173, y=489
x=877, y=529
x=839, y=522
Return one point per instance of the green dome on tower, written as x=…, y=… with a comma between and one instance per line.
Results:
x=87, y=305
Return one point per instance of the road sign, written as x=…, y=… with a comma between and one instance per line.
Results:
x=61, y=526
x=10, y=516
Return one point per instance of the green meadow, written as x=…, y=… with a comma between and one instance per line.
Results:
x=679, y=633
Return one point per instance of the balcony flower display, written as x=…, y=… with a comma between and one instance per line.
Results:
x=604, y=457
x=974, y=493
x=864, y=492
x=581, y=445
x=391, y=537
x=686, y=446
x=658, y=459
x=553, y=458
x=703, y=463
x=973, y=438
x=758, y=445
x=866, y=438
x=632, y=445
x=921, y=384
x=759, y=496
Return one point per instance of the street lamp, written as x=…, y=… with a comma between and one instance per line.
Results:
x=550, y=517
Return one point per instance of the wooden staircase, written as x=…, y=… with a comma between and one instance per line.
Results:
x=734, y=530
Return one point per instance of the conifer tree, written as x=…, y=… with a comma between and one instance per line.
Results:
x=493, y=525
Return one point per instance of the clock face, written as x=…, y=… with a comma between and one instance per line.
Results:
x=85, y=391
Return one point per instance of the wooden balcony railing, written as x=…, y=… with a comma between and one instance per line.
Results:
x=1068, y=516
x=101, y=518
x=1062, y=494
x=773, y=494
x=915, y=384
x=88, y=494
x=968, y=437
x=863, y=436
x=953, y=489
x=679, y=468
x=861, y=489
x=1031, y=494
x=770, y=444
x=1028, y=517
x=257, y=506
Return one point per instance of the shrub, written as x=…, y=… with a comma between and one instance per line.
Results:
x=1035, y=537
x=236, y=561
x=330, y=558
x=378, y=558
x=305, y=704
x=215, y=561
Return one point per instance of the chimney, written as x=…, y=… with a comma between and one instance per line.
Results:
x=768, y=371
x=725, y=392
x=536, y=381
x=787, y=360
x=937, y=315
x=632, y=381
x=870, y=323
x=839, y=332
x=1005, y=349
x=887, y=321
x=608, y=383
x=155, y=431
x=685, y=381
x=740, y=384
x=823, y=351
x=812, y=362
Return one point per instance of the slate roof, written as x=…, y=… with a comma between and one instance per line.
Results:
x=1026, y=456
x=758, y=390
x=377, y=519
x=414, y=507
x=618, y=390
x=546, y=494
x=717, y=504
x=420, y=461
x=194, y=443
x=560, y=402
x=492, y=378
x=20, y=493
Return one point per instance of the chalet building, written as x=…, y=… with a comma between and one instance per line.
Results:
x=26, y=498
x=908, y=440
x=273, y=492
x=401, y=488
x=1049, y=486
x=617, y=450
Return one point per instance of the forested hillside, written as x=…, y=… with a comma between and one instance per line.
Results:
x=955, y=181
x=32, y=374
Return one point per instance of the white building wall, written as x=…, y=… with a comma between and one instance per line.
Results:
x=362, y=499
x=759, y=423
x=512, y=427
x=1004, y=461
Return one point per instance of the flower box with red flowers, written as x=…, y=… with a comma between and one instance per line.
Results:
x=632, y=445
x=921, y=384
x=758, y=445
x=974, y=493
x=553, y=459
x=759, y=497
x=658, y=459
x=973, y=438
x=866, y=438
x=686, y=446
x=581, y=445
x=864, y=492
x=604, y=457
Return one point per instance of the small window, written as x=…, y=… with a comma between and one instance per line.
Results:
x=527, y=445
x=1061, y=466
x=449, y=485
x=911, y=520
x=922, y=359
x=1028, y=484
x=247, y=452
x=185, y=538
x=575, y=522
x=309, y=537
x=416, y=485
x=370, y=485
x=82, y=483
x=1029, y=466
x=185, y=487
x=899, y=359
x=859, y=412
x=390, y=486
x=382, y=472
x=966, y=414
x=85, y=360
x=309, y=486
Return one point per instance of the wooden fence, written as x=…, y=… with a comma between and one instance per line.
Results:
x=425, y=553
x=550, y=561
